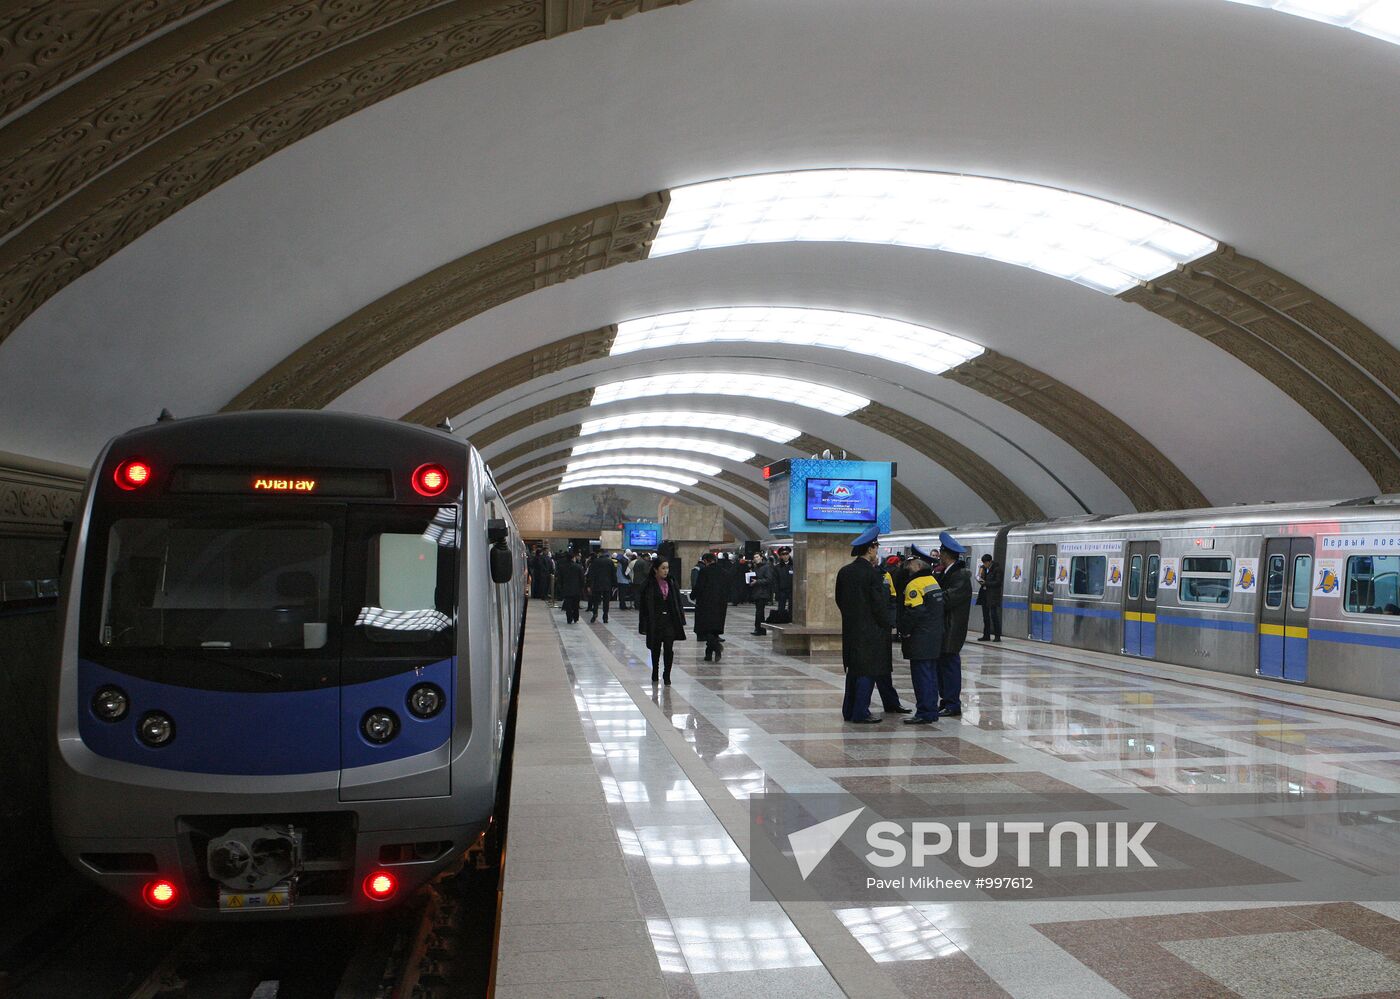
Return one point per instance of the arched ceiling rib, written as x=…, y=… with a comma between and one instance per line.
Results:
x=745, y=514
x=737, y=524
x=252, y=78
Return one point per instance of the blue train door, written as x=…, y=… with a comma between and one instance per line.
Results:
x=1283, y=611
x=1042, y=598
x=1140, y=599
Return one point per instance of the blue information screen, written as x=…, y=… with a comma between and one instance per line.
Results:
x=852, y=500
x=639, y=536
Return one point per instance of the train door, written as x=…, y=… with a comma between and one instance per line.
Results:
x=1042, y=601
x=1140, y=599
x=1283, y=612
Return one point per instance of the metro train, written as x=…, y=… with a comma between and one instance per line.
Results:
x=289, y=645
x=1299, y=593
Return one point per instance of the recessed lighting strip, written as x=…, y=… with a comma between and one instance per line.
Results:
x=802, y=393
x=1377, y=18
x=659, y=461
x=728, y=422
x=660, y=443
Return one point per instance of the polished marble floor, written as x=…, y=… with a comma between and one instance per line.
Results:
x=676, y=765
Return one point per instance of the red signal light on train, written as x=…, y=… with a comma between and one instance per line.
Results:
x=160, y=894
x=380, y=886
x=133, y=474
x=429, y=480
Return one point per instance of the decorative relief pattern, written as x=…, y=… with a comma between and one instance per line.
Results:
x=36, y=502
x=114, y=208
x=514, y=372
x=529, y=417
x=1000, y=493
x=42, y=44
x=1147, y=478
x=102, y=120
x=366, y=341
x=1327, y=361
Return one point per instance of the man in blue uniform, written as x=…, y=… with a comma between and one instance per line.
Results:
x=865, y=627
x=920, y=620
x=955, y=579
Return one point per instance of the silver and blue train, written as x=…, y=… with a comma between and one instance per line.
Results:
x=1299, y=593
x=289, y=645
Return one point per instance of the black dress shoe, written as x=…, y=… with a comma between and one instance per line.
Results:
x=997, y=639
x=916, y=720
x=709, y=657
x=899, y=711
x=872, y=720
x=666, y=679
x=985, y=638
x=950, y=712
x=760, y=631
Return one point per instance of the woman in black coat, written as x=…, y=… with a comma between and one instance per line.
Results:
x=710, y=594
x=661, y=618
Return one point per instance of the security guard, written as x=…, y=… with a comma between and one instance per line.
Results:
x=865, y=627
x=920, y=622
x=953, y=575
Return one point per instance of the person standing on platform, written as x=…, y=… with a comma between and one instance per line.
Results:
x=638, y=572
x=920, y=622
x=710, y=594
x=661, y=618
x=782, y=592
x=602, y=574
x=956, y=580
x=624, y=581
x=892, y=578
x=570, y=586
x=989, y=598
x=865, y=627
x=761, y=591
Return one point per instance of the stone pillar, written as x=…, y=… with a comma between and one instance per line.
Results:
x=816, y=559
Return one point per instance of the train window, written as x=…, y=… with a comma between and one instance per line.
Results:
x=1049, y=573
x=1373, y=584
x=1205, y=579
x=408, y=580
x=1135, y=577
x=1273, y=583
x=1087, y=574
x=1154, y=562
x=229, y=584
x=1302, y=582
x=1040, y=574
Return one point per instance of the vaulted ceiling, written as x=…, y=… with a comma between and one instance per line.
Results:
x=1089, y=256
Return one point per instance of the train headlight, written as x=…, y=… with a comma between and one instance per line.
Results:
x=156, y=729
x=425, y=700
x=110, y=703
x=379, y=725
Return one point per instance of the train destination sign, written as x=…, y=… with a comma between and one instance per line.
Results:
x=233, y=480
x=278, y=484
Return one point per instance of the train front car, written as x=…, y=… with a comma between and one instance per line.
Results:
x=285, y=665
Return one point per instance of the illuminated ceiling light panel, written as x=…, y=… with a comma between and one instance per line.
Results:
x=1092, y=242
x=775, y=432
x=1377, y=18
x=793, y=390
x=890, y=339
x=635, y=472
x=660, y=487
x=649, y=443
x=644, y=461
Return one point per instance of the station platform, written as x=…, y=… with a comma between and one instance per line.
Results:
x=627, y=870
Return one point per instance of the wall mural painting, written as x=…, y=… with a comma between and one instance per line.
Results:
x=604, y=508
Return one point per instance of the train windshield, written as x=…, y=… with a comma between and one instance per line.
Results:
x=226, y=584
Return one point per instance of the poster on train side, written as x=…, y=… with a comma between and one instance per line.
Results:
x=1115, y=572
x=1170, y=568
x=1246, y=575
x=1018, y=570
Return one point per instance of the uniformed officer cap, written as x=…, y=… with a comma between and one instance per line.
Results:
x=865, y=539
x=950, y=543
x=920, y=553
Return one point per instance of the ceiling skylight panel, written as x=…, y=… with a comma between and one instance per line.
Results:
x=978, y=216
x=634, y=472
x=801, y=393
x=648, y=460
x=748, y=425
x=639, y=483
x=648, y=442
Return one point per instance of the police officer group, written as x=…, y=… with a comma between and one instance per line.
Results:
x=927, y=600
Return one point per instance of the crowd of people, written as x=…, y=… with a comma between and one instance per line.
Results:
x=923, y=601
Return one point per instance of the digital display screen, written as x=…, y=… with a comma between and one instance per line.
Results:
x=854, y=500
x=642, y=536
x=225, y=481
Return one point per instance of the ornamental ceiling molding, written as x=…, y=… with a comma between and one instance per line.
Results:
x=45, y=43
x=36, y=497
x=1344, y=374
x=170, y=121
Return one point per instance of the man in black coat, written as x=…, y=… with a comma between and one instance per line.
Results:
x=761, y=591
x=710, y=594
x=782, y=591
x=602, y=577
x=989, y=598
x=956, y=580
x=865, y=627
x=569, y=585
x=920, y=620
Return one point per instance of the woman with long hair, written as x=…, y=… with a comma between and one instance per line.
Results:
x=661, y=618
